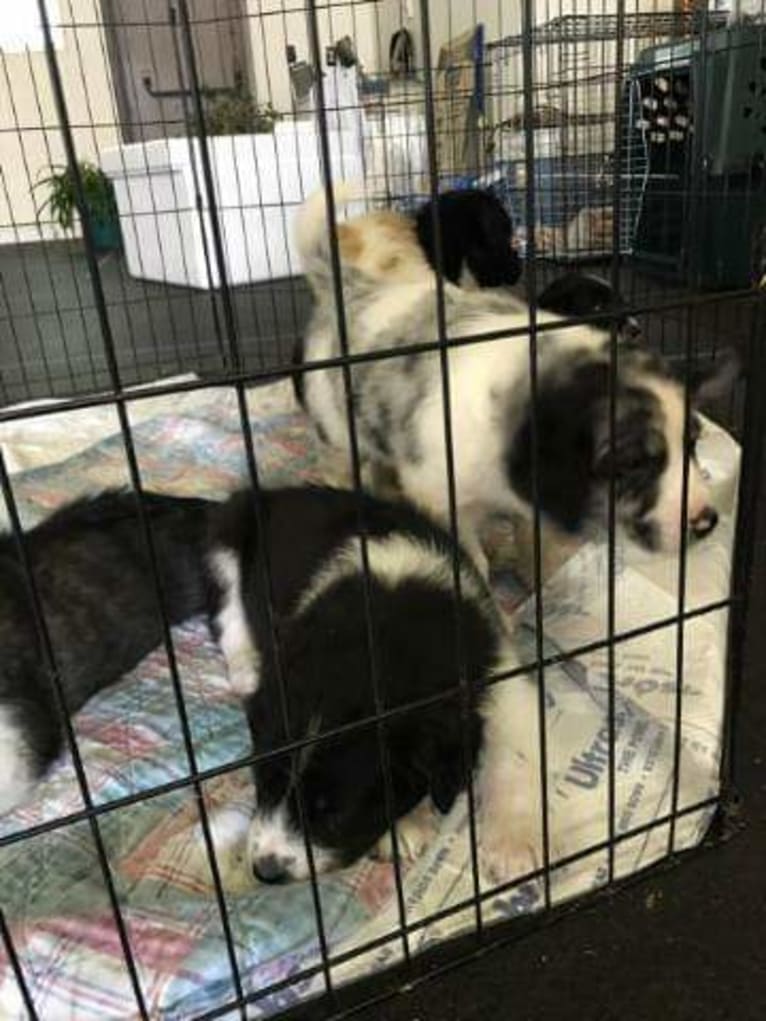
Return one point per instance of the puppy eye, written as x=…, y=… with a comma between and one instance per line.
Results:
x=321, y=805
x=630, y=466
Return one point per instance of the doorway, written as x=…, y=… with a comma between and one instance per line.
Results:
x=147, y=59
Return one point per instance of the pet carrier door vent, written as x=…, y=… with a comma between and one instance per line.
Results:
x=706, y=104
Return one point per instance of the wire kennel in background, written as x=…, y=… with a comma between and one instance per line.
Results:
x=213, y=121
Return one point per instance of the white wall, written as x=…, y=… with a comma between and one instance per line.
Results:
x=271, y=30
x=447, y=19
x=501, y=18
x=370, y=25
x=28, y=109
x=450, y=18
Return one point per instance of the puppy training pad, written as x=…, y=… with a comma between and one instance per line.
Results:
x=53, y=897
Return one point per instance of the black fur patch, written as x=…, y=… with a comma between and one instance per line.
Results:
x=296, y=358
x=584, y=294
x=95, y=581
x=566, y=431
x=576, y=458
x=476, y=232
x=326, y=670
x=325, y=665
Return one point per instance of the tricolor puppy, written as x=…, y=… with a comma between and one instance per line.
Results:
x=332, y=790
x=475, y=237
x=400, y=415
x=95, y=582
x=475, y=232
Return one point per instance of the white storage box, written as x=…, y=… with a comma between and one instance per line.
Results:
x=259, y=180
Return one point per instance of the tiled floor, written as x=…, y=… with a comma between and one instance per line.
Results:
x=51, y=343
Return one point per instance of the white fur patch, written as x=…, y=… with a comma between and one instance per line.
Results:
x=392, y=560
x=228, y=830
x=16, y=776
x=414, y=832
x=508, y=782
x=272, y=835
x=667, y=511
x=242, y=659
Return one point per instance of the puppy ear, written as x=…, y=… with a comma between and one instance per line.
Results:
x=491, y=258
x=494, y=263
x=570, y=409
x=714, y=382
x=576, y=294
x=451, y=253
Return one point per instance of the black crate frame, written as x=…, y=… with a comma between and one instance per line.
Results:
x=234, y=374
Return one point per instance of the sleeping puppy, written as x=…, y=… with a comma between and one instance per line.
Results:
x=95, y=584
x=476, y=242
x=318, y=607
x=400, y=418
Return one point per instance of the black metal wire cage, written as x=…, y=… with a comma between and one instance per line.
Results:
x=623, y=138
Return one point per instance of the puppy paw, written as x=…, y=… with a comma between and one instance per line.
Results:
x=334, y=466
x=242, y=669
x=413, y=834
x=481, y=563
x=243, y=682
x=337, y=477
x=510, y=851
x=228, y=829
x=500, y=541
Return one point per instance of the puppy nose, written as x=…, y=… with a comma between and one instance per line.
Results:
x=704, y=523
x=270, y=869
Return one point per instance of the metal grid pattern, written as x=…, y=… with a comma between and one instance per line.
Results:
x=575, y=76
x=238, y=351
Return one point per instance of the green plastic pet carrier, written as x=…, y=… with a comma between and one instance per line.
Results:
x=702, y=103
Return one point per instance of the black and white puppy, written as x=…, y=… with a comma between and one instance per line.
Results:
x=400, y=416
x=313, y=550
x=476, y=235
x=94, y=580
x=582, y=294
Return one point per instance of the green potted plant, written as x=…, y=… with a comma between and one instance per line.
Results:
x=99, y=198
x=235, y=112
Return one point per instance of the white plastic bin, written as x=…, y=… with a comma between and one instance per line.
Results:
x=259, y=181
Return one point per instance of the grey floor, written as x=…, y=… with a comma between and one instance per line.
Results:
x=51, y=342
